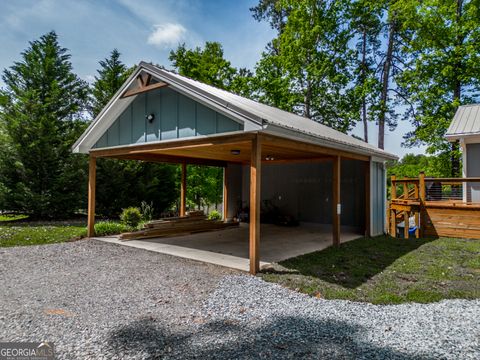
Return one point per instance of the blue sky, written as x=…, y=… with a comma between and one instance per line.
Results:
x=143, y=30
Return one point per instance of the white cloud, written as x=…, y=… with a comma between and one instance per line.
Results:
x=167, y=35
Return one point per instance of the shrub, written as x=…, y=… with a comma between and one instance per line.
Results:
x=147, y=211
x=131, y=216
x=214, y=215
x=103, y=228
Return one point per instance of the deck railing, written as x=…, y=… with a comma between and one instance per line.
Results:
x=415, y=196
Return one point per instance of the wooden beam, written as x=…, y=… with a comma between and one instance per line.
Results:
x=92, y=169
x=170, y=159
x=225, y=193
x=143, y=89
x=255, y=196
x=367, y=198
x=308, y=147
x=175, y=144
x=183, y=191
x=337, y=207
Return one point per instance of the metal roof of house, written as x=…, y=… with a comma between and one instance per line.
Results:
x=465, y=122
x=266, y=118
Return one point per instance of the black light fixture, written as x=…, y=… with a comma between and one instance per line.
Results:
x=150, y=117
x=269, y=158
x=235, y=152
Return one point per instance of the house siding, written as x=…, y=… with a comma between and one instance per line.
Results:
x=473, y=170
x=378, y=200
x=176, y=116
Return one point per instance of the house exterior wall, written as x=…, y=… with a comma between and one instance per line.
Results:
x=378, y=198
x=176, y=116
x=473, y=170
x=304, y=190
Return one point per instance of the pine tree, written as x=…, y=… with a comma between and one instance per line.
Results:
x=111, y=75
x=42, y=107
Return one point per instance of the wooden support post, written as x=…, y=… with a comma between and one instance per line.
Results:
x=393, y=223
x=367, y=198
x=183, y=190
x=417, y=213
x=406, y=223
x=422, y=193
x=393, y=213
x=92, y=175
x=393, y=189
x=225, y=194
x=405, y=191
x=255, y=196
x=337, y=207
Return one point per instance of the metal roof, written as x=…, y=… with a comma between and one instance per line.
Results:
x=465, y=122
x=268, y=118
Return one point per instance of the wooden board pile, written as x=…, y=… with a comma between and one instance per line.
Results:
x=192, y=223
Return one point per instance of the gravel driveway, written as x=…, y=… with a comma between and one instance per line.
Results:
x=98, y=300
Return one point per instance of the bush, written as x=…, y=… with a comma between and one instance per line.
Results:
x=147, y=211
x=131, y=216
x=214, y=215
x=103, y=228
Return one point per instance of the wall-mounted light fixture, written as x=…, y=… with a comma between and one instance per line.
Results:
x=150, y=117
x=235, y=152
x=269, y=158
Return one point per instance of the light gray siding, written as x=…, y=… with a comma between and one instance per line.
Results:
x=176, y=116
x=473, y=170
x=378, y=200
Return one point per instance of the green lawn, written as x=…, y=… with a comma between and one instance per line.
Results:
x=15, y=230
x=35, y=234
x=383, y=270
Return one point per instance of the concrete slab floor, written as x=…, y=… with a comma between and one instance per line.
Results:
x=229, y=247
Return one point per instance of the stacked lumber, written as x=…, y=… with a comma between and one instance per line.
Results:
x=192, y=223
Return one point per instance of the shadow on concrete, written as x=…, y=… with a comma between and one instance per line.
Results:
x=280, y=338
x=353, y=263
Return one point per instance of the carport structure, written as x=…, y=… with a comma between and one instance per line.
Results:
x=160, y=116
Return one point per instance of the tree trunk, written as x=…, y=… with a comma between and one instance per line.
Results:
x=385, y=82
x=308, y=100
x=457, y=91
x=364, y=78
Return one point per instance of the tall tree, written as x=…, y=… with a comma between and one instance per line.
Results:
x=366, y=27
x=311, y=59
x=42, y=107
x=209, y=66
x=111, y=75
x=444, y=71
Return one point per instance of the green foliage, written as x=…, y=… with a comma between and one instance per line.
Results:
x=443, y=67
x=306, y=68
x=104, y=228
x=111, y=76
x=214, y=215
x=41, y=117
x=204, y=186
x=131, y=216
x=147, y=211
x=383, y=270
x=411, y=165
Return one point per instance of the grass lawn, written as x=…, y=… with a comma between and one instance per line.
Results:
x=20, y=234
x=384, y=270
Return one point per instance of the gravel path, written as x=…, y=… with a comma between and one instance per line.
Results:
x=97, y=300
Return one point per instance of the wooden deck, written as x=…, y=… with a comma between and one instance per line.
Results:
x=436, y=204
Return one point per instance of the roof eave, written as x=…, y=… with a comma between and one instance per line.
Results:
x=275, y=129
